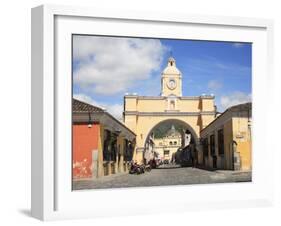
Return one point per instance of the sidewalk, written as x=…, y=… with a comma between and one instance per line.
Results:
x=232, y=172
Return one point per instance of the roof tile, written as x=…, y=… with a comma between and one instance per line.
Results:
x=79, y=106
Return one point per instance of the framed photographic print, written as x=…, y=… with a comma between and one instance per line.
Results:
x=137, y=107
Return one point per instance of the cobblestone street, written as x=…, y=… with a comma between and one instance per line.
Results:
x=164, y=176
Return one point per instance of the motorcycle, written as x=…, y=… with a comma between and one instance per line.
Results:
x=138, y=169
x=145, y=168
x=135, y=169
x=152, y=163
x=148, y=168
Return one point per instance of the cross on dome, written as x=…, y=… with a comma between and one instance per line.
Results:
x=171, y=68
x=171, y=62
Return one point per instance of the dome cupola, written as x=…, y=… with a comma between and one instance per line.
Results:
x=171, y=68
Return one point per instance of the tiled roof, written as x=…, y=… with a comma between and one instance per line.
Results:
x=235, y=108
x=241, y=107
x=79, y=106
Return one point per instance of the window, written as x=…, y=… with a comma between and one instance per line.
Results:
x=110, y=149
x=221, y=142
x=172, y=105
x=175, y=143
x=106, y=146
x=128, y=151
x=166, y=153
x=113, y=149
x=205, y=147
x=171, y=143
x=212, y=144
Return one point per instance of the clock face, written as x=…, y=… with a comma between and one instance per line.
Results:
x=172, y=84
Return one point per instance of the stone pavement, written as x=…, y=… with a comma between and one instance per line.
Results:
x=164, y=176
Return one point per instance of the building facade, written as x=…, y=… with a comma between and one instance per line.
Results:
x=102, y=145
x=226, y=142
x=143, y=113
x=167, y=146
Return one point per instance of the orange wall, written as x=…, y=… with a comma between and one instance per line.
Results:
x=85, y=140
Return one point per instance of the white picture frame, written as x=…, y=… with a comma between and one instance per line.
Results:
x=52, y=197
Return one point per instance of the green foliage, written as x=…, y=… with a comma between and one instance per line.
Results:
x=163, y=128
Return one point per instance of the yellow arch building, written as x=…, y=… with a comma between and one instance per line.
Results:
x=143, y=113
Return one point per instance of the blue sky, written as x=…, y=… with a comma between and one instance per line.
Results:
x=105, y=68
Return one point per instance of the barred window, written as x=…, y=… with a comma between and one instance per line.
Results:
x=221, y=142
x=106, y=146
x=128, y=152
x=205, y=147
x=212, y=144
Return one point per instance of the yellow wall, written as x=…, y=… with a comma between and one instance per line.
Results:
x=160, y=151
x=135, y=103
x=244, y=149
x=138, y=156
x=120, y=146
x=235, y=129
x=165, y=141
x=208, y=105
x=131, y=103
x=142, y=125
x=228, y=137
x=162, y=144
x=206, y=120
x=147, y=105
x=189, y=105
x=131, y=122
x=242, y=136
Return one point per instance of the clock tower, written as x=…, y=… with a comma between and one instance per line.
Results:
x=143, y=114
x=171, y=80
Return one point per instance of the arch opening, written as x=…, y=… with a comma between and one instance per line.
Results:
x=166, y=138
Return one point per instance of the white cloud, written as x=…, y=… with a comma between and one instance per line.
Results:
x=214, y=85
x=234, y=99
x=108, y=66
x=115, y=109
x=86, y=99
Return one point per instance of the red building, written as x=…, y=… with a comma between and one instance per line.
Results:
x=102, y=145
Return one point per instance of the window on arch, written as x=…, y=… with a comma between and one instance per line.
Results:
x=172, y=105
